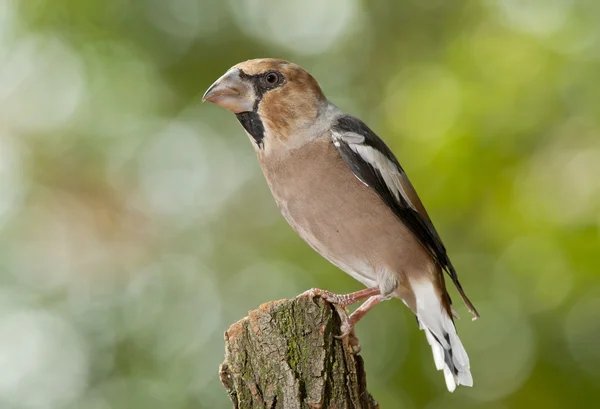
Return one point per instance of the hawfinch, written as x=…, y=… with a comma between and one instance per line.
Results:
x=344, y=192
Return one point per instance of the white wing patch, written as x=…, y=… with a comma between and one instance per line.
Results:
x=390, y=173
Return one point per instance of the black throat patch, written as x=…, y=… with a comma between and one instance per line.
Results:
x=253, y=125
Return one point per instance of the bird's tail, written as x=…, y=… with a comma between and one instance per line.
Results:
x=452, y=272
x=449, y=354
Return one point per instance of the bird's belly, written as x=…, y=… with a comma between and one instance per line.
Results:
x=342, y=219
x=329, y=237
x=333, y=241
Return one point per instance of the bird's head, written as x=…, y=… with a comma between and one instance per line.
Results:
x=275, y=100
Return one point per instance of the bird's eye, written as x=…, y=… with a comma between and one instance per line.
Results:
x=271, y=78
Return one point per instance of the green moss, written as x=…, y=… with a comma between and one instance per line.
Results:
x=291, y=324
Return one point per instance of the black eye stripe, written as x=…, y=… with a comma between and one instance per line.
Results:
x=261, y=87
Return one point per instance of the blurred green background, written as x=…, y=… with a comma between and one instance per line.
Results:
x=135, y=224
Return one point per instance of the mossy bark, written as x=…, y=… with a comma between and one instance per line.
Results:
x=285, y=355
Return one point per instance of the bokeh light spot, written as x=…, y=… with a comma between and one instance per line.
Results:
x=540, y=17
x=40, y=352
x=12, y=183
x=582, y=331
x=41, y=84
x=307, y=27
x=423, y=103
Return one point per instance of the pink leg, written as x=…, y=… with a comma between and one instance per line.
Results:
x=348, y=324
x=343, y=300
x=340, y=301
x=363, y=309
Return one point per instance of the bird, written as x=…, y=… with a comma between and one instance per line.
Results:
x=341, y=188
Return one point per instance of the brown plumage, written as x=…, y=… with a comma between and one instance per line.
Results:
x=290, y=105
x=344, y=192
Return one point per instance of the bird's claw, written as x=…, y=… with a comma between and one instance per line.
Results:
x=347, y=326
x=347, y=332
x=312, y=293
x=353, y=341
x=326, y=295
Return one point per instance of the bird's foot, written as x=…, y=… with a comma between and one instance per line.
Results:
x=347, y=329
x=340, y=302
x=340, y=299
x=350, y=322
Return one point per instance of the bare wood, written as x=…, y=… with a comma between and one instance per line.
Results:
x=284, y=355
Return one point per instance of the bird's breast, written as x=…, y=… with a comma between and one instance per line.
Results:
x=336, y=214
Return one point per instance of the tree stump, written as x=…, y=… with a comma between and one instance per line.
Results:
x=286, y=355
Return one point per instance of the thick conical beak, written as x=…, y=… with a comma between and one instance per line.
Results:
x=231, y=92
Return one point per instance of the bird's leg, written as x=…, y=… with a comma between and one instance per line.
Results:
x=342, y=300
x=348, y=325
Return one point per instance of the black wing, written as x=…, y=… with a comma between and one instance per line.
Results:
x=372, y=161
